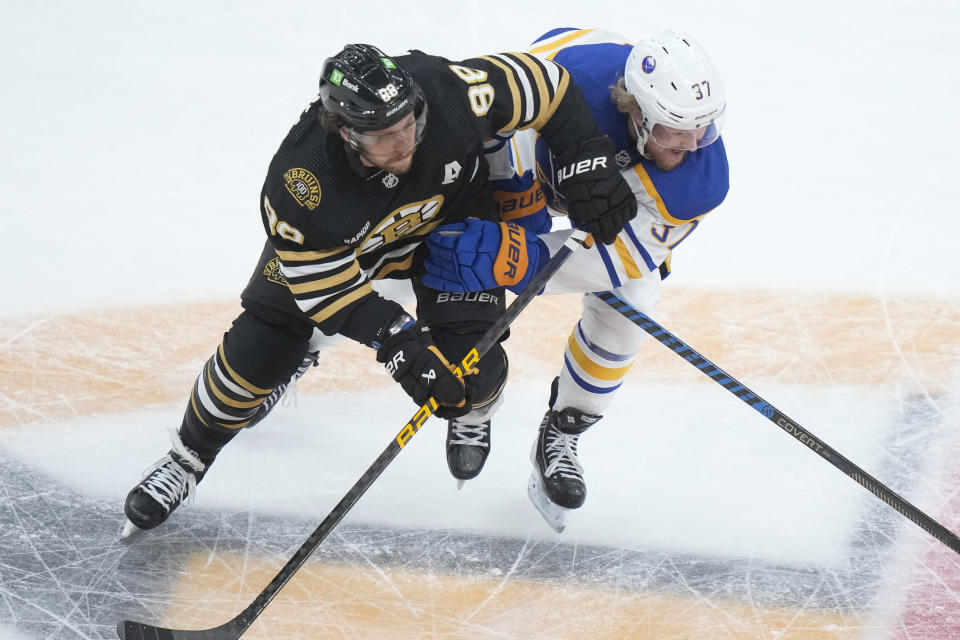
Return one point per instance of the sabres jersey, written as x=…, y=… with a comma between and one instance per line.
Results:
x=336, y=225
x=671, y=203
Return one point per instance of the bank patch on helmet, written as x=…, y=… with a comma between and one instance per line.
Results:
x=304, y=187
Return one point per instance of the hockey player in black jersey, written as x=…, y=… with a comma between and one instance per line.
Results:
x=392, y=148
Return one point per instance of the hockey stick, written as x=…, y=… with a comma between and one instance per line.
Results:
x=233, y=629
x=780, y=419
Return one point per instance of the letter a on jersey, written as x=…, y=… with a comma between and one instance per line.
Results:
x=450, y=172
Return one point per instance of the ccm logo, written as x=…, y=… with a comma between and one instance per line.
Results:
x=581, y=167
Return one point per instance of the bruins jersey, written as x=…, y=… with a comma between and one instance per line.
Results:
x=335, y=225
x=671, y=203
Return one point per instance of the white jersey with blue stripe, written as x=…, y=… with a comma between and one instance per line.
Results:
x=671, y=203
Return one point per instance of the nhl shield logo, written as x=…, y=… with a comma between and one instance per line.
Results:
x=390, y=181
x=623, y=158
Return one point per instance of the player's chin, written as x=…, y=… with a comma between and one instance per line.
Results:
x=399, y=165
x=670, y=159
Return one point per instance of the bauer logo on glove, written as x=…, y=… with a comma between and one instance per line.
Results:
x=511, y=263
x=477, y=255
x=598, y=198
x=583, y=166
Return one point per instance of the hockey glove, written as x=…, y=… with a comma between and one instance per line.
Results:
x=598, y=198
x=415, y=362
x=521, y=199
x=476, y=255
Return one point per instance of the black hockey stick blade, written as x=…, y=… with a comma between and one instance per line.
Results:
x=128, y=630
x=233, y=629
x=777, y=417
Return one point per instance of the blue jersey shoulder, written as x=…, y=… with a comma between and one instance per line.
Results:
x=697, y=186
x=595, y=68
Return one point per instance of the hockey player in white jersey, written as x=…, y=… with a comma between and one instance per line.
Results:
x=662, y=103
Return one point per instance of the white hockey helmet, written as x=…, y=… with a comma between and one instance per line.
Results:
x=677, y=87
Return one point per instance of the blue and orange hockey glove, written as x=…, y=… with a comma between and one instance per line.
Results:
x=476, y=255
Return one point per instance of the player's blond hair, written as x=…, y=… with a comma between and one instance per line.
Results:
x=622, y=98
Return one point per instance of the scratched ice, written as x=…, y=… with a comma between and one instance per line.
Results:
x=136, y=139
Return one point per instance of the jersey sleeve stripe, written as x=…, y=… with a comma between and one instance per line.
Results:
x=539, y=74
x=514, y=91
x=561, y=89
x=308, y=300
x=515, y=156
x=308, y=270
x=310, y=256
x=402, y=265
x=333, y=280
x=351, y=296
x=559, y=42
x=554, y=72
x=523, y=79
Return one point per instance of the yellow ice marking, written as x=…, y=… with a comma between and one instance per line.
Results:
x=371, y=600
x=65, y=365
x=912, y=343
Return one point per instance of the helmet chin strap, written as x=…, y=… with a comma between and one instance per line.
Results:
x=641, y=137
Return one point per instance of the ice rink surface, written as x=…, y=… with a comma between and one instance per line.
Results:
x=136, y=137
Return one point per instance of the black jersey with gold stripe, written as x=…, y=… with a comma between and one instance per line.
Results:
x=336, y=225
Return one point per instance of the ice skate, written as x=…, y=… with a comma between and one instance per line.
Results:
x=467, y=449
x=556, y=484
x=170, y=481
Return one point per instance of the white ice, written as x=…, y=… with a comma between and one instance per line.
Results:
x=135, y=140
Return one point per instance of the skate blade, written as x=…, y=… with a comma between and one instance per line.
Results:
x=554, y=514
x=130, y=532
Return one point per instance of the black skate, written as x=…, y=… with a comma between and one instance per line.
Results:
x=467, y=449
x=170, y=481
x=556, y=483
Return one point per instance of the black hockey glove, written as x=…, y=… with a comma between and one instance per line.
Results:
x=415, y=362
x=598, y=198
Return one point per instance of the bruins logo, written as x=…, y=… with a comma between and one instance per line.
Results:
x=304, y=187
x=401, y=222
x=272, y=271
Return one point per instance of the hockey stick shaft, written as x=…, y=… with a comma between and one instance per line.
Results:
x=774, y=415
x=233, y=629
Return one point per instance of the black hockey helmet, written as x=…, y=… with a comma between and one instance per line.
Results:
x=367, y=90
